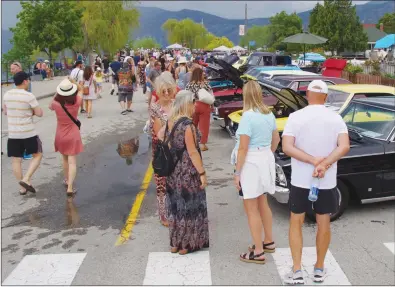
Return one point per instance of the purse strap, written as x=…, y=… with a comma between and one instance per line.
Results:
x=71, y=117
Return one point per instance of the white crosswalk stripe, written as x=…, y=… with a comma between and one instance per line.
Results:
x=390, y=246
x=335, y=275
x=165, y=268
x=46, y=269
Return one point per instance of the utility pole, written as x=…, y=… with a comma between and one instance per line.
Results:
x=245, y=24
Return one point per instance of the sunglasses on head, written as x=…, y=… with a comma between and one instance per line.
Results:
x=16, y=64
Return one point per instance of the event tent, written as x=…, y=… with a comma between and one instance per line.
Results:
x=174, y=46
x=238, y=48
x=385, y=42
x=222, y=48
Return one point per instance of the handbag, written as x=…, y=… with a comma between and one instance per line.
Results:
x=85, y=91
x=205, y=97
x=77, y=122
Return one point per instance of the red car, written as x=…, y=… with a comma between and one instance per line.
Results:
x=297, y=83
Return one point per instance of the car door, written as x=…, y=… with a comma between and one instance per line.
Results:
x=388, y=180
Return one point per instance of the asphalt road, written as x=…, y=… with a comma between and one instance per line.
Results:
x=50, y=240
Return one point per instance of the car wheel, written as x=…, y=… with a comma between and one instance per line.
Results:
x=344, y=198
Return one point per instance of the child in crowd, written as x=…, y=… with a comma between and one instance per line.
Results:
x=99, y=81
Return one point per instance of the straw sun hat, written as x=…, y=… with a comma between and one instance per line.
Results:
x=66, y=88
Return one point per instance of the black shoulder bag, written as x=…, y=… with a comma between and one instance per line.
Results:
x=77, y=122
x=163, y=162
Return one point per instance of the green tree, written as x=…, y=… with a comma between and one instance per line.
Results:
x=283, y=25
x=47, y=26
x=260, y=34
x=219, y=41
x=388, y=21
x=188, y=32
x=146, y=43
x=337, y=21
x=107, y=25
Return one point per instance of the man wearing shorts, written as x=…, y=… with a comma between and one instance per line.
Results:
x=125, y=88
x=20, y=106
x=115, y=66
x=315, y=137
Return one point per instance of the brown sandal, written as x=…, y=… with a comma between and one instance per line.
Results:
x=183, y=251
x=174, y=250
x=265, y=247
x=252, y=258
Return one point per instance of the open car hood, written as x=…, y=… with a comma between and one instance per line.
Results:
x=227, y=71
x=287, y=96
x=231, y=59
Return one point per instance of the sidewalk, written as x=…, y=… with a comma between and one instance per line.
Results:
x=41, y=89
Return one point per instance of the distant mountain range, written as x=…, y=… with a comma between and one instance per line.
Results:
x=151, y=20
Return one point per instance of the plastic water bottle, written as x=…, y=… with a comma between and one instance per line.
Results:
x=314, y=189
x=27, y=156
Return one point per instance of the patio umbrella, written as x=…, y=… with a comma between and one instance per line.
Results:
x=305, y=38
x=385, y=42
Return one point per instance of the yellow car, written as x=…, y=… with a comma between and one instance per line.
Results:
x=240, y=62
x=339, y=96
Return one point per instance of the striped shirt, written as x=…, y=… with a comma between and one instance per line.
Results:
x=20, y=104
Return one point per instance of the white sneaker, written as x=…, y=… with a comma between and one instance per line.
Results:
x=294, y=278
x=319, y=275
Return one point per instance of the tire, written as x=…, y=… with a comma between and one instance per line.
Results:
x=344, y=198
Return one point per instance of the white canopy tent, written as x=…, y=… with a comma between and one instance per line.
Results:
x=238, y=48
x=174, y=46
x=222, y=49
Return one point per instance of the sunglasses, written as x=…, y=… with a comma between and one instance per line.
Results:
x=168, y=91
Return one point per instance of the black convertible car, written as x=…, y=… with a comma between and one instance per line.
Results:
x=367, y=172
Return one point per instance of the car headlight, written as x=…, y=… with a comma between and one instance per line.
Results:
x=280, y=176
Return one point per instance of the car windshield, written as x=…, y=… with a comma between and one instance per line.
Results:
x=282, y=82
x=336, y=99
x=254, y=72
x=369, y=121
x=263, y=76
x=254, y=60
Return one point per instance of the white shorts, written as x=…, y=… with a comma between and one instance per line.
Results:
x=258, y=175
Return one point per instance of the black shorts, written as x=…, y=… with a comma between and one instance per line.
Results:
x=17, y=147
x=327, y=202
x=123, y=97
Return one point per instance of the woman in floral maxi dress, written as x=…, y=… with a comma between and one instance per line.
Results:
x=159, y=112
x=186, y=196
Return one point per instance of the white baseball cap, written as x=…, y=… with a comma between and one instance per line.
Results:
x=318, y=86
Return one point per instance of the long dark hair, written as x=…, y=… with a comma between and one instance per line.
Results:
x=88, y=73
x=197, y=75
x=69, y=100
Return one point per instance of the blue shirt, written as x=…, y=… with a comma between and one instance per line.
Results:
x=259, y=127
x=115, y=66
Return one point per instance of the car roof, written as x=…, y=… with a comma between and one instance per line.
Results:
x=276, y=68
x=363, y=88
x=312, y=77
x=294, y=72
x=387, y=102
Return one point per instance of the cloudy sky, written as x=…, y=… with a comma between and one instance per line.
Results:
x=235, y=9
x=226, y=9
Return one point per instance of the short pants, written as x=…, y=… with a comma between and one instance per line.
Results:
x=17, y=147
x=327, y=202
x=123, y=97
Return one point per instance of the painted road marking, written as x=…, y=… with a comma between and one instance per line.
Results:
x=390, y=246
x=165, y=268
x=134, y=212
x=335, y=275
x=46, y=269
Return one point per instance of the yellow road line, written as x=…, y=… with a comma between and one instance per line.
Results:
x=134, y=212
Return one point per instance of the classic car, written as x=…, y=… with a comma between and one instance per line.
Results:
x=367, y=173
x=240, y=62
x=339, y=96
x=254, y=72
x=267, y=75
x=265, y=59
x=300, y=83
x=297, y=83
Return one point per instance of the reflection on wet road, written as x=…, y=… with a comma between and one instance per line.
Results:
x=107, y=187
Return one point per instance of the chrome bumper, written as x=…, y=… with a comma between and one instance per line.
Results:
x=281, y=195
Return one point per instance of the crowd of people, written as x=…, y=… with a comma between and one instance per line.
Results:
x=179, y=102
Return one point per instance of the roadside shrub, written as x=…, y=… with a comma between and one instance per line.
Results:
x=353, y=69
x=376, y=70
x=389, y=76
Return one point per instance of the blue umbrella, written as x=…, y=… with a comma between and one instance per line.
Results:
x=313, y=57
x=385, y=42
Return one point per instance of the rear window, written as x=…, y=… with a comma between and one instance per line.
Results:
x=264, y=76
x=254, y=60
x=284, y=83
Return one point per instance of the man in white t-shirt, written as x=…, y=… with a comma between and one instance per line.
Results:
x=20, y=106
x=315, y=137
x=77, y=77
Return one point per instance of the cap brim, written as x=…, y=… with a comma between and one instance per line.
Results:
x=67, y=93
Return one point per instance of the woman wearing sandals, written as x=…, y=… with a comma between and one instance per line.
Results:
x=254, y=177
x=89, y=90
x=159, y=111
x=186, y=202
x=68, y=138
